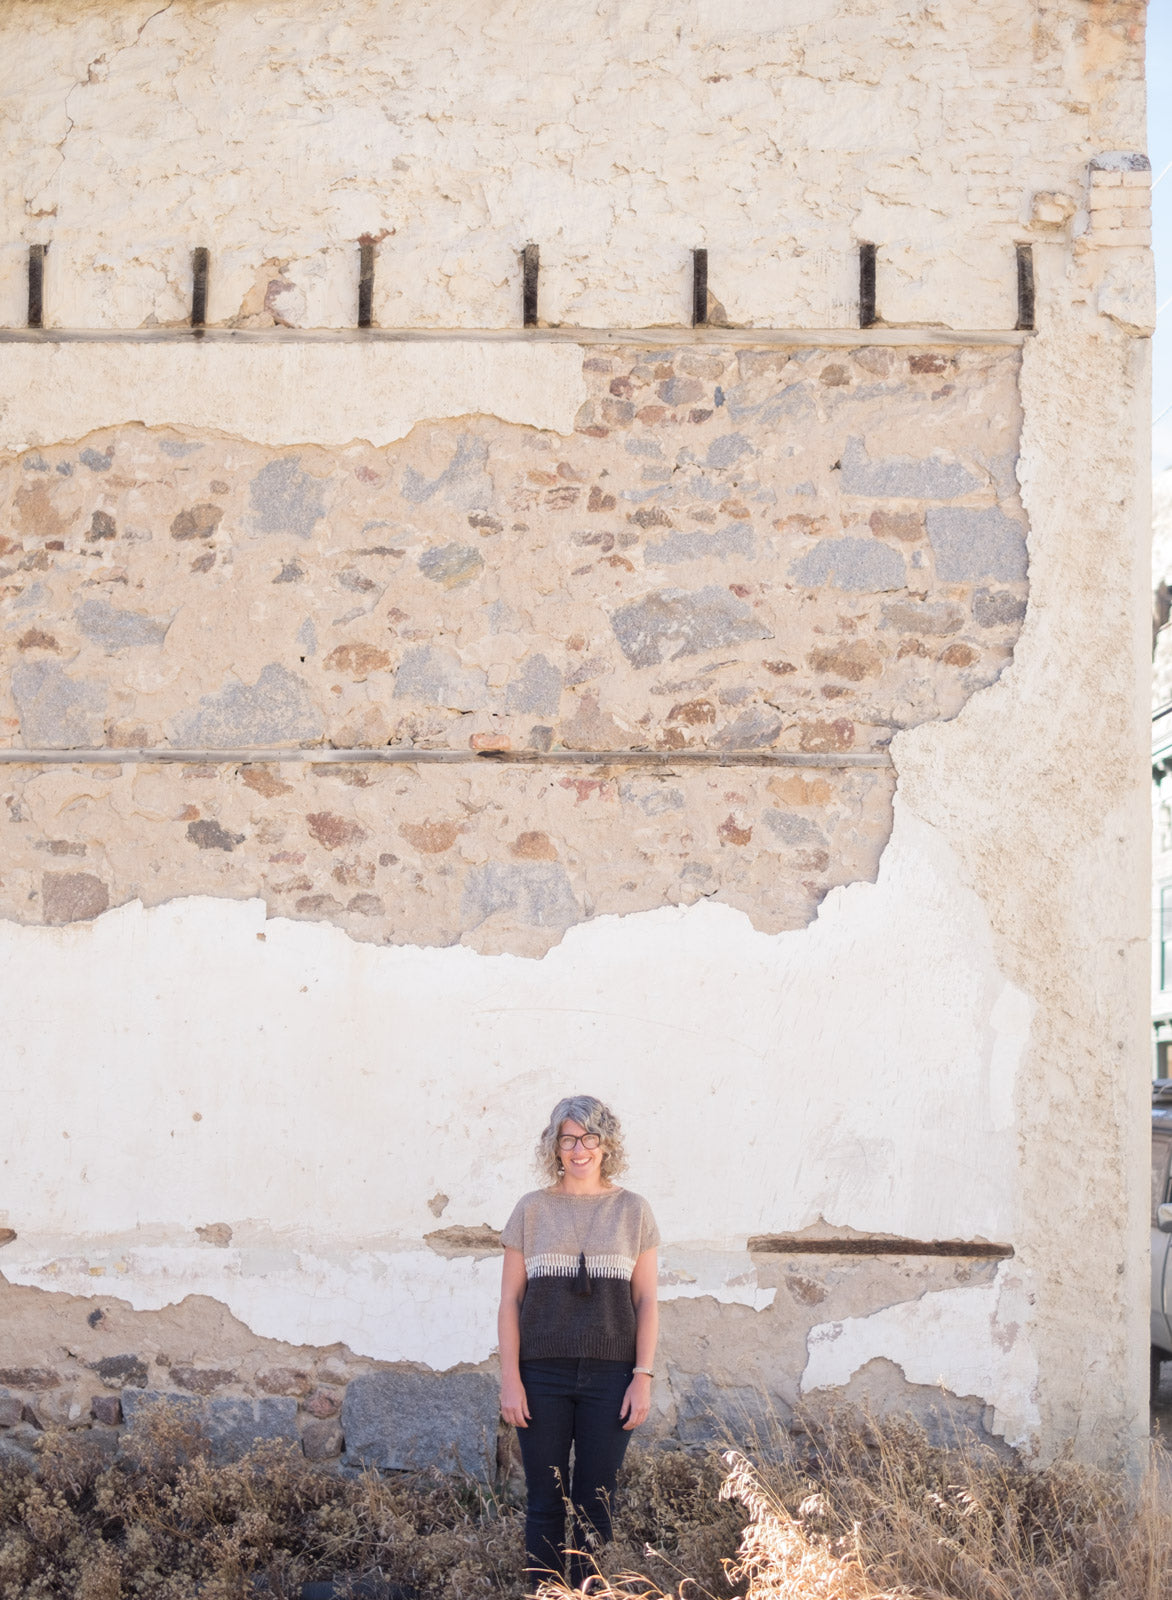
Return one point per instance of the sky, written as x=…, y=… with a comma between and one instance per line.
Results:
x=1160, y=150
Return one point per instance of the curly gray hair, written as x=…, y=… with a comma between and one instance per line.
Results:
x=595, y=1117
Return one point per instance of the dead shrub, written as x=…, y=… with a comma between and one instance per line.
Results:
x=165, y=1521
x=845, y=1508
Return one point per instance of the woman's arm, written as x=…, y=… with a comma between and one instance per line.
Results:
x=514, y=1406
x=645, y=1298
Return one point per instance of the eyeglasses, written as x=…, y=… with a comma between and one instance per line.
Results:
x=588, y=1141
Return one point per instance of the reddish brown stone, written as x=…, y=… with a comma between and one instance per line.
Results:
x=959, y=655
x=431, y=838
x=284, y=1380
x=693, y=713
x=106, y=1408
x=35, y=513
x=828, y=736
x=357, y=660
x=854, y=661
x=534, y=846
x=37, y=639
x=365, y=905
x=334, y=831
x=730, y=833
x=264, y=780
x=72, y=897
x=319, y=905
x=906, y=526
x=202, y=1380
x=37, y=1378
x=197, y=522
x=323, y=1403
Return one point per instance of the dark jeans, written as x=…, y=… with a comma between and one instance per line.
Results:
x=571, y=1402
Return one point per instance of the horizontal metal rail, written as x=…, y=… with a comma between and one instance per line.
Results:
x=407, y=757
x=844, y=337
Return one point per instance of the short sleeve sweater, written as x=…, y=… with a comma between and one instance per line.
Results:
x=551, y=1230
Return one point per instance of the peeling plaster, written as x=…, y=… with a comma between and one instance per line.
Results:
x=966, y=1341
x=387, y=1074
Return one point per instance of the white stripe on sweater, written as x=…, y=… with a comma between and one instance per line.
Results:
x=561, y=1266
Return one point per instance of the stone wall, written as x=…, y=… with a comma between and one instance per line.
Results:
x=739, y=553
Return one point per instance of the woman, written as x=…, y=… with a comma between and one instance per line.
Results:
x=578, y=1325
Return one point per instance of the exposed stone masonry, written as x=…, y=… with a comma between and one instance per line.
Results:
x=737, y=552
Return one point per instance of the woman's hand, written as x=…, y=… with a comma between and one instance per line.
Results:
x=636, y=1405
x=514, y=1406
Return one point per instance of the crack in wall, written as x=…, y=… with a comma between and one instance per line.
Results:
x=104, y=59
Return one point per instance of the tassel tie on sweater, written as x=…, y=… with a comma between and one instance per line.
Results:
x=582, y=1284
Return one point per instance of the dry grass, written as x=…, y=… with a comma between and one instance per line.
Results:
x=851, y=1509
x=856, y=1509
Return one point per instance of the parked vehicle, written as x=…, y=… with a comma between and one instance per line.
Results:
x=1161, y=1226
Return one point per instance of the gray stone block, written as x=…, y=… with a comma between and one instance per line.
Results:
x=711, y=1413
x=119, y=630
x=933, y=617
x=1120, y=161
x=463, y=483
x=860, y=565
x=57, y=712
x=903, y=477
x=976, y=544
x=276, y=709
x=451, y=564
x=232, y=1426
x=794, y=830
x=755, y=728
x=285, y=499
x=538, y=893
x=537, y=688
x=409, y=1420
x=724, y=452
x=14, y=1454
x=735, y=540
x=675, y=623
x=997, y=608
x=436, y=676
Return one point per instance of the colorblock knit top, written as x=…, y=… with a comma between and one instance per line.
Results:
x=553, y=1231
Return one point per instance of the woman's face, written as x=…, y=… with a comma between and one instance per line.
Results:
x=579, y=1162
